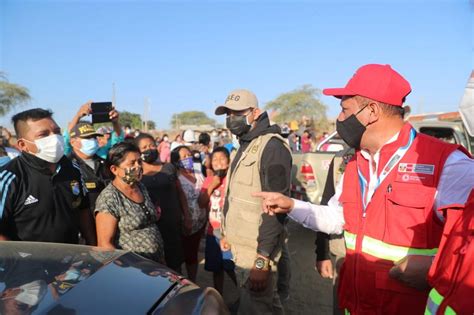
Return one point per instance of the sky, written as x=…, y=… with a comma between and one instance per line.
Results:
x=186, y=56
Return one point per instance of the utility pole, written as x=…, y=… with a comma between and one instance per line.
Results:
x=146, y=114
x=420, y=105
x=215, y=121
x=113, y=95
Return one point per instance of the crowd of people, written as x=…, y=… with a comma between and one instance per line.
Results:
x=119, y=188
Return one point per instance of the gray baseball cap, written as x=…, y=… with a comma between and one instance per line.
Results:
x=238, y=100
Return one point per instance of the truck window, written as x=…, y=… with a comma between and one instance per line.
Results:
x=445, y=134
x=471, y=142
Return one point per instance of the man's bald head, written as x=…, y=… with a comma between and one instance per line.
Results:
x=20, y=120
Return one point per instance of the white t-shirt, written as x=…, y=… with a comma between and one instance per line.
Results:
x=191, y=191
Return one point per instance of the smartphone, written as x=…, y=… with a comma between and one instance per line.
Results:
x=100, y=112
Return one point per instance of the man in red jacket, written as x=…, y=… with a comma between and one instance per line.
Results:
x=387, y=202
x=452, y=272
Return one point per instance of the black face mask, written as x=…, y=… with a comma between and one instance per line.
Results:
x=149, y=156
x=351, y=130
x=220, y=173
x=237, y=125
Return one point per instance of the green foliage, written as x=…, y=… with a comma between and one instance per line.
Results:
x=303, y=101
x=132, y=119
x=191, y=118
x=135, y=121
x=11, y=95
x=151, y=125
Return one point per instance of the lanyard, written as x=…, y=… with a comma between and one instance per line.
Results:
x=392, y=162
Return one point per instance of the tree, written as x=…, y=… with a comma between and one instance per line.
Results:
x=151, y=125
x=191, y=118
x=294, y=105
x=11, y=94
x=131, y=119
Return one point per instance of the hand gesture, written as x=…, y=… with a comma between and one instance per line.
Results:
x=258, y=279
x=224, y=244
x=412, y=271
x=114, y=115
x=273, y=202
x=216, y=181
x=85, y=110
x=325, y=268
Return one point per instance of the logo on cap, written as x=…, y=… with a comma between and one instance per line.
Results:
x=232, y=97
x=83, y=129
x=238, y=100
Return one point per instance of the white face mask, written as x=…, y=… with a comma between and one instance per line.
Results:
x=50, y=149
x=32, y=293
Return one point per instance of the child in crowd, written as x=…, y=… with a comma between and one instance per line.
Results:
x=218, y=257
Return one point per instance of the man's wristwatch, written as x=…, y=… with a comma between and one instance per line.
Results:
x=262, y=263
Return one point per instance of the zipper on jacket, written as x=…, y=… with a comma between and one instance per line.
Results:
x=359, y=241
x=244, y=201
x=358, y=251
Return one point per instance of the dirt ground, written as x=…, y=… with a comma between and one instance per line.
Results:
x=309, y=293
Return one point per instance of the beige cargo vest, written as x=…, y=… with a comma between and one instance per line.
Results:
x=337, y=246
x=244, y=215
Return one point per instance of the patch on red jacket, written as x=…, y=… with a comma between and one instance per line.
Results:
x=415, y=178
x=415, y=173
x=416, y=168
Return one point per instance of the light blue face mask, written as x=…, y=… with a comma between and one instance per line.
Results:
x=89, y=146
x=4, y=160
x=235, y=142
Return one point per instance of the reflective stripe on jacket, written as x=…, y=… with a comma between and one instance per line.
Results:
x=398, y=221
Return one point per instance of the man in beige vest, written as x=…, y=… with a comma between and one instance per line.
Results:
x=262, y=162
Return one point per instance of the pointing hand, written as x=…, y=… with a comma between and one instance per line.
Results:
x=273, y=202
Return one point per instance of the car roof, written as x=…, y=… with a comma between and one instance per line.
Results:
x=85, y=279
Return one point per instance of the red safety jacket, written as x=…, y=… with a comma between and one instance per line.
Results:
x=398, y=221
x=452, y=272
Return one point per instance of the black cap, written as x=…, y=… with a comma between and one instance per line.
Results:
x=84, y=130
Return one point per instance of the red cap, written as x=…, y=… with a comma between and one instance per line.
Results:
x=378, y=82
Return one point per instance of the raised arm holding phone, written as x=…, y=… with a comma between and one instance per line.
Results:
x=88, y=109
x=96, y=111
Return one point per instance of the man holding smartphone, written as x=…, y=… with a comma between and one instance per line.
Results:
x=84, y=144
x=86, y=110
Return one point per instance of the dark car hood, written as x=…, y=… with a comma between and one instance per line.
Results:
x=48, y=278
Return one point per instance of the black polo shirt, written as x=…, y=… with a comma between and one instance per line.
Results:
x=37, y=205
x=95, y=179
